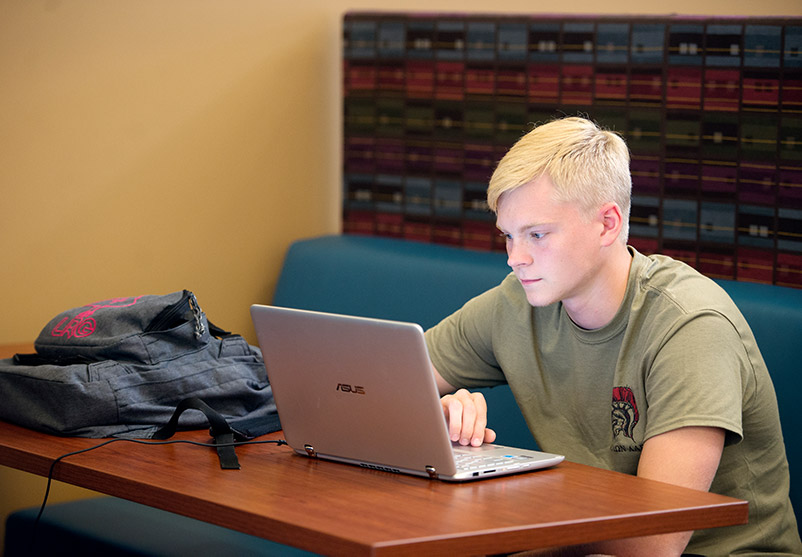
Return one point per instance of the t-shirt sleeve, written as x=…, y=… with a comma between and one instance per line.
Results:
x=699, y=377
x=461, y=346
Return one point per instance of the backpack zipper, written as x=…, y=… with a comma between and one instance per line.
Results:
x=169, y=315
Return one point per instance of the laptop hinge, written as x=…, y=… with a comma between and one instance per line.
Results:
x=432, y=471
x=310, y=450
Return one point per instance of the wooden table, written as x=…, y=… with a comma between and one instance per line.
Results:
x=340, y=509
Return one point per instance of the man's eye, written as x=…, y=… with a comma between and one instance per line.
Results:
x=537, y=235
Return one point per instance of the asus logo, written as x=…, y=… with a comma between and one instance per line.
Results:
x=346, y=388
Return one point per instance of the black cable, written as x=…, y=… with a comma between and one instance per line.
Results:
x=140, y=442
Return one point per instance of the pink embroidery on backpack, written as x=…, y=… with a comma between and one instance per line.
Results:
x=83, y=324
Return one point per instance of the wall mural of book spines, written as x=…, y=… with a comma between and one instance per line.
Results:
x=710, y=107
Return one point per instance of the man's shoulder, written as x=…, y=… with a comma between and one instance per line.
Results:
x=663, y=279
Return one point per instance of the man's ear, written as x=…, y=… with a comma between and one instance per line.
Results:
x=612, y=222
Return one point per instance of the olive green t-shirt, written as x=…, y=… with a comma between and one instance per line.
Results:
x=677, y=353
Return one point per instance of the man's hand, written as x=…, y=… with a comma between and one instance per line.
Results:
x=466, y=414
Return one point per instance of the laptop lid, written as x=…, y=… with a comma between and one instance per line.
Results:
x=359, y=390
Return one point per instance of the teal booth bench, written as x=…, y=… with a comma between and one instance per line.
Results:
x=400, y=280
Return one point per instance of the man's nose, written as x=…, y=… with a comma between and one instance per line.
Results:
x=517, y=254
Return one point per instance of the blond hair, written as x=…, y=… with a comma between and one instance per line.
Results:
x=587, y=165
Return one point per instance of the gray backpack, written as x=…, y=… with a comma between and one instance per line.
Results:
x=129, y=367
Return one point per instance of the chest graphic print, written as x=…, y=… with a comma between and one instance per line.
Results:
x=625, y=417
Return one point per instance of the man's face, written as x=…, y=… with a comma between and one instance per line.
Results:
x=553, y=248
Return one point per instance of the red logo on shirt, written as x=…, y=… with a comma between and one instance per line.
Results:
x=625, y=412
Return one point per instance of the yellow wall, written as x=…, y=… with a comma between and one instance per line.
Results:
x=148, y=146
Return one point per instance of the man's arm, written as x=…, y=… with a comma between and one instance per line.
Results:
x=687, y=456
x=465, y=412
x=442, y=385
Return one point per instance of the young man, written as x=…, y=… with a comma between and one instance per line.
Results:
x=618, y=360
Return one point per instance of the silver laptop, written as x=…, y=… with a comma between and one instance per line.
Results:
x=361, y=391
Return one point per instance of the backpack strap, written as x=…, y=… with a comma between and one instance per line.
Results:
x=219, y=429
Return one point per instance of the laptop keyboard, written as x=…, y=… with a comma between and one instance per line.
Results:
x=478, y=461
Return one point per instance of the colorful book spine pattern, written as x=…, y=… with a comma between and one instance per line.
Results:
x=710, y=107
